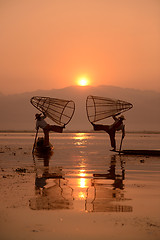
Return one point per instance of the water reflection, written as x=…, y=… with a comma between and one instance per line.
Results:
x=111, y=174
x=83, y=184
x=79, y=187
x=80, y=139
x=106, y=196
x=51, y=189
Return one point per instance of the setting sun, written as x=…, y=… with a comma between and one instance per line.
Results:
x=83, y=82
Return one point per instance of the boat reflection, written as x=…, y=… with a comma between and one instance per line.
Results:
x=51, y=188
x=107, y=190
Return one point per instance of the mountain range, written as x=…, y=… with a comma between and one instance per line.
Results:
x=17, y=113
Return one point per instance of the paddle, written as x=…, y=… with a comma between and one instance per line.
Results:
x=121, y=143
x=123, y=135
x=35, y=141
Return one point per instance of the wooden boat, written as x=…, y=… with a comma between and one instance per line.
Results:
x=147, y=152
x=40, y=147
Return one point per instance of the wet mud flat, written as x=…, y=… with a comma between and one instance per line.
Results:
x=80, y=190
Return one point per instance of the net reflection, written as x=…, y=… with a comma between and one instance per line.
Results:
x=107, y=190
x=51, y=188
x=80, y=187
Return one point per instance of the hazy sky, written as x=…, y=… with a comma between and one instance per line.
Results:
x=49, y=44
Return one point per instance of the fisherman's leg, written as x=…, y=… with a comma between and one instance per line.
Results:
x=112, y=139
x=46, y=137
x=55, y=128
x=99, y=127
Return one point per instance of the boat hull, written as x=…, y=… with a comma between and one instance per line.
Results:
x=40, y=147
x=140, y=152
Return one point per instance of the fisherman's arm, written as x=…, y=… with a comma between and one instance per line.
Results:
x=115, y=116
x=44, y=115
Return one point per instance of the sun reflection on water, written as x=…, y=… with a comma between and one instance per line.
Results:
x=80, y=139
x=82, y=195
x=80, y=136
x=83, y=184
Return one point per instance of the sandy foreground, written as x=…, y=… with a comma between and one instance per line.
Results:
x=61, y=197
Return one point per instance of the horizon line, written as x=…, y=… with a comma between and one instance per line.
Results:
x=82, y=131
x=80, y=87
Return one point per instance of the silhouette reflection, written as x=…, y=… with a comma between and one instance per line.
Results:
x=104, y=196
x=51, y=188
x=79, y=188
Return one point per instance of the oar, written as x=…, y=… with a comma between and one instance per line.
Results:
x=121, y=143
x=35, y=141
x=123, y=135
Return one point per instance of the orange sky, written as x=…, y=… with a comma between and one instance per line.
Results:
x=50, y=44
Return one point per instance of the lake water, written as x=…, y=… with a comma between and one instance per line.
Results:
x=81, y=190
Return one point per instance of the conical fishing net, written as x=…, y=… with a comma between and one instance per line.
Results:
x=58, y=110
x=99, y=108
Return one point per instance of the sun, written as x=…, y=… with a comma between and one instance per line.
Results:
x=83, y=81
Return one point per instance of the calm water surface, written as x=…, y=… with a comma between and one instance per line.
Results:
x=82, y=175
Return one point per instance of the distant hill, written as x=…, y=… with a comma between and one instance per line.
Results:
x=18, y=114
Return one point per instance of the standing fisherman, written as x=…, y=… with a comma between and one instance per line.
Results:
x=111, y=129
x=41, y=123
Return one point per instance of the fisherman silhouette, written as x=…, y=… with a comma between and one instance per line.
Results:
x=41, y=123
x=112, y=129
